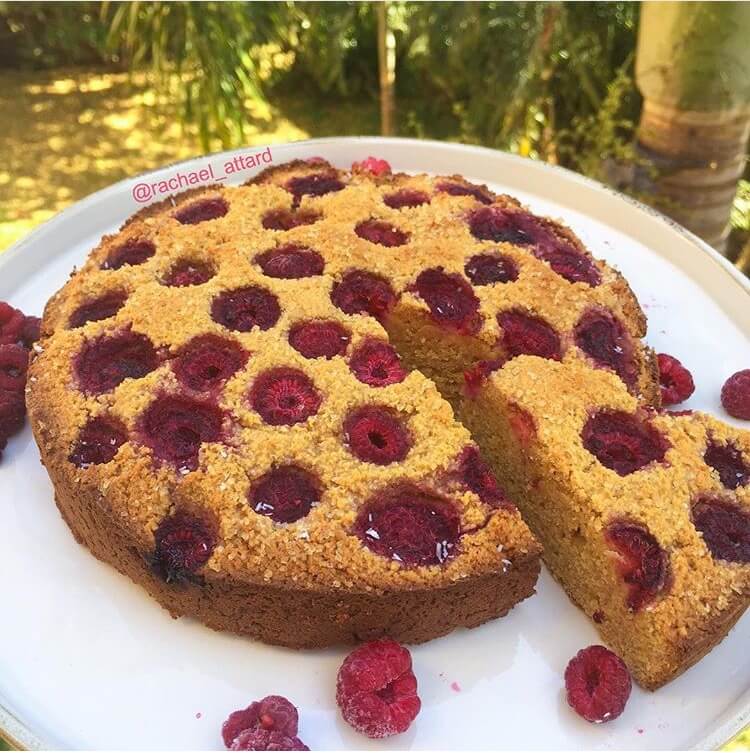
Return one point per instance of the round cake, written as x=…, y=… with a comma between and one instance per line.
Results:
x=244, y=398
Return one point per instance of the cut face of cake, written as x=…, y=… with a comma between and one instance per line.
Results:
x=644, y=516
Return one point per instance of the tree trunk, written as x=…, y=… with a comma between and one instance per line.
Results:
x=693, y=69
x=386, y=70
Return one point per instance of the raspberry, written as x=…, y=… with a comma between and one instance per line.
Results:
x=727, y=461
x=476, y=375
x=285, y=494
x=598, y=684
x=521, y=423
x=186, y=272
x=642, y=563
x=274, y=713
x=291, y=262
x=14, y=362
x=242, y=309
x=104, y=307
x=12, y=414
x=623, y=442
x=31, y=331
x=528, y=334
x=175, y=427
x=376, y=689
x=375, y=434
x=572, y=265
x=603, y=338
x=207, y=361
x=284, y=396
x=676, y=381
x=376, y=363
x=284, y=219
x=480, y=193
x=361, y=292
x=98, y=442
x=451, y=300
x=501, y=225
x=262, y=739
x=107, y=361
x=201, y=211
x=133, y=252
x=381, y=232
x=11, y=324
x=477, y=476
x=487, y=269
x=406, y=198
x=183, y=543
x=378, y=167
x=319, y=339
x=725, y=527
x=317, y=184
x=735, y=395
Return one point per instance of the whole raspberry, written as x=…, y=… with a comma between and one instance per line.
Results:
x=728, y=462
x=528, y=334
x=725, y=527
x=480, y=193
x=11, y=324
x=14, y=362
x=735, y=395
x=622, y=441
x=186, y=273
x=676, y=381
x=361, y=292
x=376, y=689
x=376, y=434
x=132, y=252
x=284, y=219
x=100, y=308
x=376, y=363
x=291, y=262
x=382, y=233
x=319, y=339
x=107, y=361
x=284, y=396
x=242, y=309
x=477, y=476
x=207, y=361
x=605, y=340
x=285, y=494
x=451, y=300
x=406, y=197
x=201, y=211
x=263, y=739
x=487, y=269
x=315, y=184
x=12, y=414
x=183, y=543
x=274, y=713
x=378, y=167
x=98, y=442
x=31, y=331
x=598, y=684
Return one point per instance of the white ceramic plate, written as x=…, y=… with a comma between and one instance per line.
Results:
x=87, y=660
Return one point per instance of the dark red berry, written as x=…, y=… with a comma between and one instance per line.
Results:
x=285, y=494
x=319, y=339
x=477, y=476
x=475, y=376
x=361, y=292
x=274, y=713
x=183, y=543
x=11, y=324
x=31, y=331
x=291, y=262
x=175, y=427
x=187, y=272
x=376, y=689
x=109, y=360
x=451, y=300
x=381, y=232
x=242, y=309
x=605, y=340
x=285, y=219
x=263, y=739
x=406, y=197
x=569, y=263
x=641, y=562
x=528, y=334
x=727, y=461
x=284, y=396
x=98, y=442
x=735, y=395
x=14, y=362
x=201, y=211
x=487, y=269
x=133, y=252
x=521, y=423
x=725, y=527
x=315, y=184
x=480, y=193
x=12, y=414
x=597, y=684
x=622, y=441
x=676, y=381
x=207, y=361
x=376, y=434
x=100, y=308
x=376, y=363
x=378, y=167
x=502, y=225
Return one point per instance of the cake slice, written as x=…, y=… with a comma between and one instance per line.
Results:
x=644, y=516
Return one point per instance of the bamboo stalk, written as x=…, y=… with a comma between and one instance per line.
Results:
x=386, y=70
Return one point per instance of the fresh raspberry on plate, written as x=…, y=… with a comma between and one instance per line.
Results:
x=274, y=713
x=735, y=395
x=676, y=381
x=372, y=165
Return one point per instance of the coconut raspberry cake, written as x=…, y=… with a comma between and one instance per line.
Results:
x=644, y=515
